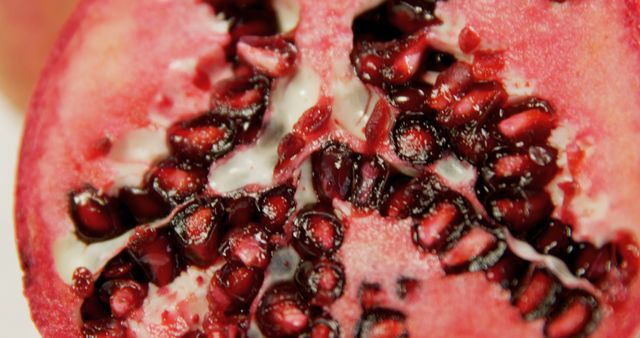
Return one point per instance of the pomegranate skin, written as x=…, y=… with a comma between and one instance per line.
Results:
x=79, y=112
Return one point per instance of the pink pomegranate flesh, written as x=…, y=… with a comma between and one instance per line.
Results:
x=300, y=168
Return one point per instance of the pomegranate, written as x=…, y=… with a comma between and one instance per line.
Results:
x=301, y=168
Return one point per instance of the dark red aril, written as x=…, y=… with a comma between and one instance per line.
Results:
x=282, y=312
x=507, y=271
x=96, y=216
x=123, y=295
x=154, y=251
x=382, y=323
x=321, y=282
x=412, y=98
x=248, y=245
x=272, y=55
x=555, y=239
x=530, y=126
x=316, y=233
x=521, y=211
x=415, y=197
x=104, y=328
x=202, y=139
x=411, y=15
x=241, y=210
x=194, y=334
x=323, y=327
x=416, y=139
x=572, y=318
x=442, y=224
x=371, y=176
x=474, y=143
x=145, y=205
x=477, y=249
x=333, y=171
x=531, y=168
x=450, y=84
x=536, y=295
x=371, y=295
x=276, y=205
x=176, y=181
x=594, y=263
x=240, y=282
x=198, y=230
x=474, y=106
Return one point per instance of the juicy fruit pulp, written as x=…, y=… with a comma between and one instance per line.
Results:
x=420, y=179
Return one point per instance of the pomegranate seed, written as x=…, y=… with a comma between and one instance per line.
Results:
x=594, y=263
x=155, y=253
x=474, y=143
x=371, y=178
x=406, y=286
x=248, y=245
x=257, y=20
x=320, y=282
x=93, y=308
x=468, y=40
x=507, y=271
x=120, y=266
x=450, y=83
x=523, y=212
x=104, y=328
x=415, y=197
x=313, y=121
x=438, y=61
x=282, y=313
x=194, y=334
x=532, y=169
x=370, y=295
x=475, y=105
x=124, y=296
x=530, y=126
x=416, y=139
x=411, y=15
x=333, y=171
x=177, y=182
x=145, y=205
x=97, y=217
x=273, y=55
x=235, y=326
x=317, y=233
x=323, y=327
x=202, y=139
x=572, y=320
x=487, y=66
x=473, y=246
x=438, y=227
x=537, y=295
x=288, y=149
x=382, y=323
x=197, y=228
x=241, y=210
x=413, y=98
x=241, y=97
x=240, y=282
x=555, y=239
x=82, y=281
x=276, y=205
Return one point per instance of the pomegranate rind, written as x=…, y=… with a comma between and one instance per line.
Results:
x=99, y=83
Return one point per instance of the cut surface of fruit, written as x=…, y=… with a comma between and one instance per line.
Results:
x=362, y=168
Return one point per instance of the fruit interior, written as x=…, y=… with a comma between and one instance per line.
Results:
x=355, y=168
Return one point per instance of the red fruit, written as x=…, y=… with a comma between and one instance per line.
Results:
x=448, y=168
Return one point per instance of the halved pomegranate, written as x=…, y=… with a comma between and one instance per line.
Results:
x=301, y=168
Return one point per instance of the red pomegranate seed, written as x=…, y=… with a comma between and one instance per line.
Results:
x=415, y=197
x=530, y=126
x=93, y=308
x=449, y=84
x=522, y=213
x=507, y=271
x=536, y=295
x=82, y=281
x=371, y=178
x=241, y=210
x=104, y=328
x=474, y=143
x=370, y=296
x=155, y=253
x=202, y=139
x=333, y=171
x=240, y=282
x=177, y=182
x=240, y=97
x=317, y=233
x=469, y=39
x=555, y=239
x=572, y=320
x=432, y=232
x=475, y=105
x=254, y=21
x=323, y=327
x=411, y=15
x=438, y=61
x=97, y=217
x=276, y=205
x=416, y=139
x=194, y=334
x=382, y=323
x=123, y=295
x=406, y=286
x=594, y=263
x=533, y=169
x=413, y=98
x=248, y=245
x=145, y=205
x=273, y=55
x=219, y=325
x=320, y=282
x=120, y=266
x=282, y=313
x=288, y=149
x=487, y=66
x=198, y=231
x=473, y=245
x=312, y=121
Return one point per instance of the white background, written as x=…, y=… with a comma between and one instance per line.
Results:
x=14, y=314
